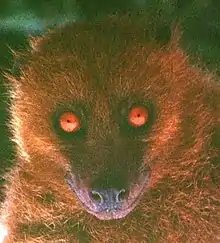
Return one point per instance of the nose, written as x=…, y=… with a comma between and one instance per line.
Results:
x=107, y=200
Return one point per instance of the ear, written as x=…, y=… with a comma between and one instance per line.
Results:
x=12, y=75
x=176, y=35
x=17, y=60
x=163, y=33
x=168, y=33
x=35, y=42
x=158, y=24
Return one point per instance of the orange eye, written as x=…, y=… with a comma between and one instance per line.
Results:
x=69, y=122
x=138, y=116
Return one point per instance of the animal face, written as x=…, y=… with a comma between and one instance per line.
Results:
x=123, y=116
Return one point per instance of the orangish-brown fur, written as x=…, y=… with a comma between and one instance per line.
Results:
x=98, y=64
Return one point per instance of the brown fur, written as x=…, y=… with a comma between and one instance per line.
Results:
x=182, y=202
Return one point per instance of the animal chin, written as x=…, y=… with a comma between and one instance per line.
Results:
x=111, y=209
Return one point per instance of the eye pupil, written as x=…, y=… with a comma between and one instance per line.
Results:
x=69, y=122
x=138, y=116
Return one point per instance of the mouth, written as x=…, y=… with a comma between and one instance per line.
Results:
x=109, y=204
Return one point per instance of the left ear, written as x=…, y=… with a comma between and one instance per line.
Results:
x=17, y=60
x=19, y=57
x=12, y=75
x=35, y=42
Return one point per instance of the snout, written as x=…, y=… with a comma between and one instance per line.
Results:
x=107, y=202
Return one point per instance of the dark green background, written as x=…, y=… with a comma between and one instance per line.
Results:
x=200, y=20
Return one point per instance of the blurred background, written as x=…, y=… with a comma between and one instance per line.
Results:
x=200, y=21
